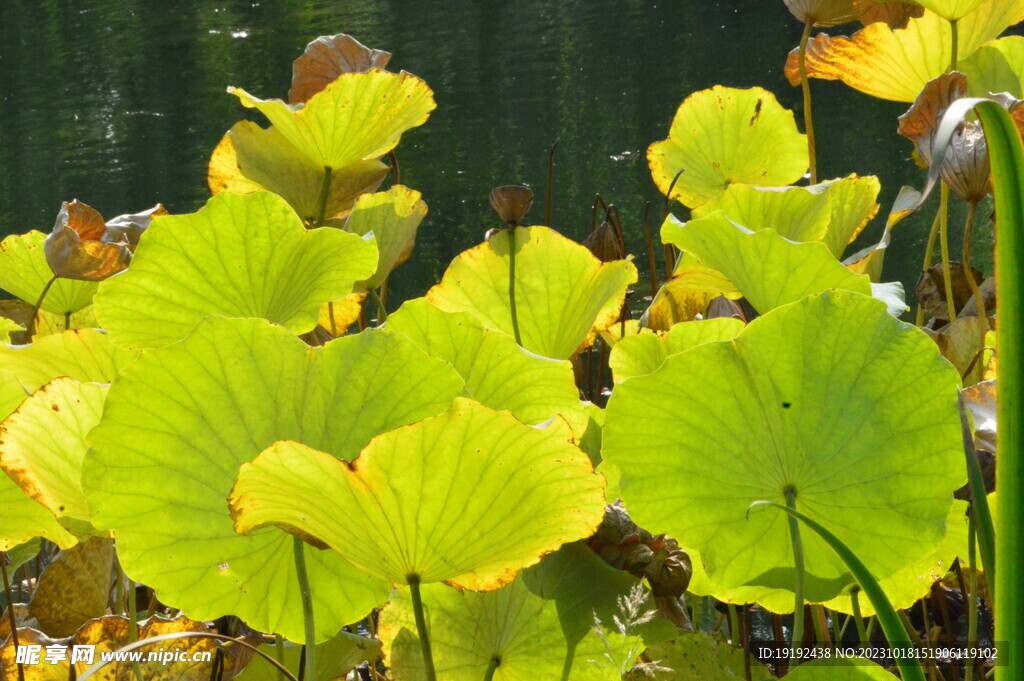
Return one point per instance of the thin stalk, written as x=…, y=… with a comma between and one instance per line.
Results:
x=35, y=310
x=549, y=199
x=805, y=85
x=511, y=231
x=734, y=624
x=492, y=667
x=298, y=548
x=668, y=194
x=947, y=278
x=334, y=324
x=947, y=624
x=779, y=638
x=798, y=564
x=133, y=626
x=602, y=362
x=279, y=654
x=651, y=262
x=10, y=611
x=421, y=627
x=395, y=166
x=837, y=631
x=820, y=624
x=858, y=619
x=954, y=62
x=325, y=192
x=745, y=640
x=67, y=321
x=382, y=313
x=929, y=253
x=972, y=208
x=972, y=602
x=980, y=513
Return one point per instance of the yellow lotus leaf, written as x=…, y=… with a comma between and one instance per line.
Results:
x=392, y=217
x=896, y=64
x=692, y=287
x=360, y=116
x=723, y=136
x=564, y=295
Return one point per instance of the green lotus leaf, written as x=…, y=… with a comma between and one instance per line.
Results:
x=358, y=117
x=797, y=269
x=392, y=217
x=796, y=213
x=47, y=323
x=239, y=256
x=840, y=669
x=25, y=273
x=896, y=64
x=250, y=158
x=829, y=399
x=997, y=67
x=498, y=373
x=469, y=497
x=179, y=422
x=43, y=443
x=723, y=136
x=468, y=630
x=81, y=354
x=564, y=295
x=701, y=657
x=644, y=353
x=951, y=10
x=590, y=442
x=22, y=554
x=334, y=658
x=778, y=600
x=854, y=204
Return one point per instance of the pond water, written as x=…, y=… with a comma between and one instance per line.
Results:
x=119, y=103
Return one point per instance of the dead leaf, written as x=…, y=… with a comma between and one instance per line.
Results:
x=931, y=289
x=328, y=57
x=75, y=249
x=74, y=587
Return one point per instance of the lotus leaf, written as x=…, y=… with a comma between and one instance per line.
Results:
x=996, y=67
x=951, y=10
x=74, y=587
x=498, y=373
x=840, y=669
x=564, y=295
x=830, y=400
x=239, y=256
x=250, y=158
x=797, y=270
x=392, y=218
x=468, y=630
x=24, y=272
x=869, y=260
x=178, y=423
x=895, y=13
x=644, y=353
x=688, y=293
x=326, y=58
x=700, y=657
x=722, y=136
x=469, y=497
x=334, y=658
x=358, y=117
x=896, y=64
x=8, y=327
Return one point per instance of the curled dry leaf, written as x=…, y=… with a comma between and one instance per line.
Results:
x=823, y=13
x=893, y=14
x=980, y=400
x=328, y=57
x=129, y=227
x=74, y=587
x=511, y=202
x=931, y=289
x=78, y=246
x=604, y=243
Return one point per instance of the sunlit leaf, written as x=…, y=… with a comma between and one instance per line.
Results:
x=823, y=12
x=725, y=424
x=996, y=67
x=74, y=587
x=564, y=295
x=250, y=158
x=840, y=669
x=334, y=658
x=180, y=421
x=896, y=64
x=326, y=58
x=700, y=657
x=469, y=497
x=239, y=256
x=692, y=287
x=797, y=269
x=81, y=354
x=24, y=272
x=8, y=327
x=644, y=353
x=392, y=217
x=498, y=373
x=951, y=10
x=358, y=117
x=722, y=136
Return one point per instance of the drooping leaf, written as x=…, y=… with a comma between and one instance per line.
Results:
x=498, y=373
x=644, y=353
x=854, y=204
x=722, y=136
x=869, y=260
x=326, y=58
x=896, y=64
x=469, y=497
x=250, y=158
x=895, y=13
x=358, y=117
x=178, y=423
x=239, y=256
x=725, y=424
x=74, y=587
x=24, y=272
x=823, y=12
x=564, y=295
x=797, y=269
x=79, y=248
x=392, y=217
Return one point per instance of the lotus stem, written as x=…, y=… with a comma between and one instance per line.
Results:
x=549, y=198
x=325, y=193
x=734, y=623
x=35, y=310
x=382, y=314
x=10, y=611
x=421, y=627
x=67, y=321
x=947, y=277
x=972, y=209
x=511, y=231
x=954, y=62
x=820, y=624
x=798, y=564
x=133, y=626
x=492, y=667
x=279, y=654
x=980, y=513
x=858, y=619
x=805, y=85
x=972, y=602
x=334, y=324
x=929, y=252
x=394, y=164
x=298, y=549
x=649, y=242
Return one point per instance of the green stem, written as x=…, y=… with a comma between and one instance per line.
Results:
x=382, y=314
x=734, y=624
x=35, y=310
x=805, y=85
x=858, y=619
x=10, y=611
x=279, y=654
x=955, y=61
x=334, y=324
x=798, y=564
x=421, y=627
x=298, y=548
x=325, y=192
x=511, y=231
x=972, y=208
x=67, y=321
x=981, y=514
x=133, y=626
x=972, y=603
x=492, y=667
x=929, y=253
x=947, y=277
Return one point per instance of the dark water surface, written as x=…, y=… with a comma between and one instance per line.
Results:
x=119, y=103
